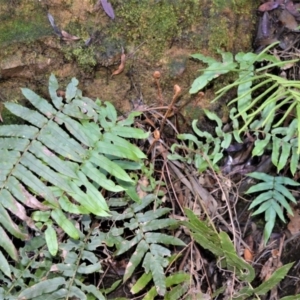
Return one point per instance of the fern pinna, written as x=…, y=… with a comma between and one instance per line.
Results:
x=59, y=162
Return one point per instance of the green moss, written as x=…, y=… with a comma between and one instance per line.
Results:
x=157, y=23
x=229, y=25
x=25, y=26
x=84, y=56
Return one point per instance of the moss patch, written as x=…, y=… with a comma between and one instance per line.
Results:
x=17, y=26
x=157, y=23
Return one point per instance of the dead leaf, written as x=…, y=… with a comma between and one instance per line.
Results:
x=288, y=20
x=69, y=37
x=142, y=184
x=294, y=224
x=292, y=9
x=268, y=6
x=267, y=270
x=156, y=134
x=248, y=252
x=108, y=8
x=121, y=66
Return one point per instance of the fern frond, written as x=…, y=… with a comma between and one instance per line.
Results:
x=59, y=160
x=273, y=194
x=150, y=247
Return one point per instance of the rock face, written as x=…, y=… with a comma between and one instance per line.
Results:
x=153, y=34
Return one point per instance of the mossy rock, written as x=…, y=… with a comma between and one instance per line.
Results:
x=154, y=34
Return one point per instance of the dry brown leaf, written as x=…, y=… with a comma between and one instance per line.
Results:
x=156, y=134
x=270, y=5
x=248, y=252
x=142, y=183
x=267, y=270
x=288, y=20
x=121, y=66
x=69, y=37
x=294, y=224
x=248, y=255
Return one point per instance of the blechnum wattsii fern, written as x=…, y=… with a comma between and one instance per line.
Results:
x=273, y=195
x=148, y=245
x=58, y=164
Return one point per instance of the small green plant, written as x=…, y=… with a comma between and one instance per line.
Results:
x=258, y=116
x=258, y=113
x=204, y=150
x=273, y=196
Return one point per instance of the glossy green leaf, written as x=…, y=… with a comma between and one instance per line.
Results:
x=90, y=288
x=39, y=103
x=270, y=216
x=294, y=160
x=135, y=259
x=177, y=278
x=264, y=207
x=10, y=225
x=61, y=219
x=53, y=87
x=295, y=297
x=70, y=207
x=243, y=270
x=31, y=116
x=285, y=192
x=141, y=283
x=151, y=294
x=285, y=153
x=261, y=187
x=4, y=266
x=152, y=237
x=109, y=166
x=260, y=145
x=129, y=132
x=51, y=239
x=158, y=224
x=275, y=150
x=43, y=287
x=111, y=112
x=286, y=181
x=155, y=264
x=89, y=269
x=71, y=89
x=128, y=148
x=205, y=59
x=275, y=278
x=177, y=292
x=8, y=246
x=261, y=176
x=276, y=207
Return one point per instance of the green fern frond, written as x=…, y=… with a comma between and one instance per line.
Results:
x=150, y=247
x=273, y=195
x=60, y=159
